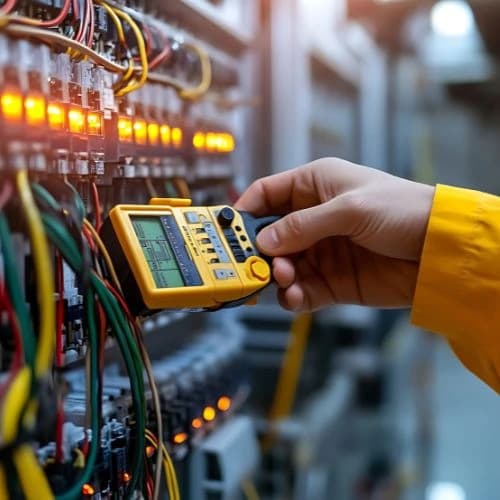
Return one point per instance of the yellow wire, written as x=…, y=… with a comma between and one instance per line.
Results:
x=44, y=276
x=290, y=371
x=168, y=467
x=206, y=75
x=104, y=252
x=141, y=45
x=31, y=476
x=4, y=488
x=249, y=490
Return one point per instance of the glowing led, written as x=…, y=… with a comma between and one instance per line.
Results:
x=209, y=413
x=94, y=123
x=226, y=143
x=88, y=489
x=153, y=134
x=34, y=109
x=150, y=451
x=126, y=477
x=56, y=115
x=125, y=130
x=141, y=132
x=177, y=137
x=12, y=106
x=199, y=140
x=197, y=423
x=452, y=18
x=224, y=403
x=76, y=121
x=180, y=437
x=165, y=135
x=211, y=141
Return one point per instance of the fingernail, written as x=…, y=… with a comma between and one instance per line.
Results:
x=268, y=239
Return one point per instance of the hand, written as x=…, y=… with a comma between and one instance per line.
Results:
x=349, y=234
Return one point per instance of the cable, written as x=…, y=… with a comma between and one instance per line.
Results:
x=43, y=24
x=249, y=490
x=97, y=206
x=206, y=74
x=7, y=7
x=31, y=476
x=43, y=272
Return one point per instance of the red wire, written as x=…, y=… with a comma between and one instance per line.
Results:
x=163, y=55
x=90, y=38
x=84, y=23
x=148, y=38
x=97, y=206
x=58, y=19
x=8, y=6
x=76, y=10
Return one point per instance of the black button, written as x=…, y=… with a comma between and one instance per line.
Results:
x=200, y=230
x=238, y=228
x=225, y=217
x=210, y=250
x=243, y=237
x=205, y=241
x=214, y=261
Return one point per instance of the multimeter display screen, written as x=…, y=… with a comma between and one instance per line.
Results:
x=158, y=252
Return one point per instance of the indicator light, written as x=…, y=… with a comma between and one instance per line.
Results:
x=126, y=477
x=227, y=143
x=88, y=489
x=76, y=121
x=197, y=423
x=150, y=451
x=209, y=413
x=224, y=403
x=165, y=135
x=141, y=132
x=211, y=141
x=177, y=137
x=199, y=141
x=125, y=130
x=153, y=134
x=56, y=115
x=12, y=106
x=180, y=437
x=94, y=123
x=34, y=109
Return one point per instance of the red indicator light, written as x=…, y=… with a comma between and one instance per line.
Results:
x=56, y=115
x=154, y=134
x=125, y=130
x=197, y=423
x=12, y=106
x=94, y=123
x=150, y=451
x=126, y=477
x=88, y=490
x=34, y=109
x=76, y=121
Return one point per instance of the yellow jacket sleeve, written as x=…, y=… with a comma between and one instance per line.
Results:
x=458, y=286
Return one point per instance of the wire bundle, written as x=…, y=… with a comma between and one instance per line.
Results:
x=60, y=233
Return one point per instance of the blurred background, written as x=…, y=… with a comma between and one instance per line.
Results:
x=411, y=87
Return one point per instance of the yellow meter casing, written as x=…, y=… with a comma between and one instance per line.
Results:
x=171, y=255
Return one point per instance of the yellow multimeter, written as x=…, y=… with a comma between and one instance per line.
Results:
x=171, y=255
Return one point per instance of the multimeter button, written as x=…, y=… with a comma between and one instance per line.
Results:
x=205, y=241
x=200, y=230
x=239, y=256
x=259, y=270
x=191, y=217
x=210, y=250
x=225, y=217
x=214, y=261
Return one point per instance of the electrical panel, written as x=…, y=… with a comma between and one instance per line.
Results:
x=106, y=102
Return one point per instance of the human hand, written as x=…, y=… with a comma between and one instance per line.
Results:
x=350, y=234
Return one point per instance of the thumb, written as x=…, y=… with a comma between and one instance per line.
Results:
x=300, y=230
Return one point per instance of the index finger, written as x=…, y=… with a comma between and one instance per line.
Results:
x=279, y=193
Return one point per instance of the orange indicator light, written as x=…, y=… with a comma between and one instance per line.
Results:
x=153, y=134
x=226, y=143
x=165, y=135
x=125, y=130
x=56, y=116
x=34, y=108
x=224, y=403
x=141, y=132
x=197, y=423
x=150, y=451
x=76, y=121
x=88, y=489
x=177, y=137
x=212, y=141
x=12, y=106
x=94, y=123
x=180, y=437
x=209, y=413
x=126, y=477
x=199, y=140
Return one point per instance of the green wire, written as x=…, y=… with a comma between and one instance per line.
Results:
x=15, y=291
x=61, y=238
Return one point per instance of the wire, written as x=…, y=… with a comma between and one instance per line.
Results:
x=249, y=490
x=206, y=74
x=43, y=24
x=59, y=355
x=43, y=272
x=7, y=7
x=97, y=206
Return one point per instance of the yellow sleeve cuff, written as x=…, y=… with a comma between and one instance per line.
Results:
x=458, y=286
